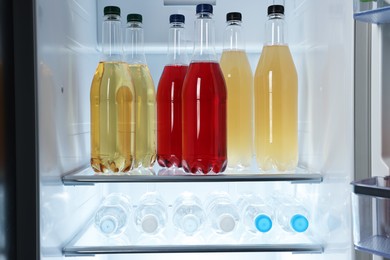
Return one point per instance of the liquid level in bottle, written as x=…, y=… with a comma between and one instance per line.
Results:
x=145, y=102
x=204, y=118
x=276, y=110
x=239, y=83
x=169, y=124
x=112, y=118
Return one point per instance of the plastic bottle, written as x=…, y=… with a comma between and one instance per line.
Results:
x=151, y=214
x=257, y=216
x=145, y=99
x=112, y=103
x=188, y=214
x=204, y=102
x=239, y=82
x=276, y=99
x=222, y=213
x=169, y=105
x=291, y=215
x=112, y=217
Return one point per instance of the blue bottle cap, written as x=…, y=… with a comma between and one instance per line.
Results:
x=263, y=223
x=176, y=18
x=204, y=8
x=299, y=223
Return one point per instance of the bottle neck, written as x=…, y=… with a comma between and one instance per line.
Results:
x=233, y=38
x=112, y=38
x=134, y=43
x=204, y=38
x=275, y=30
x=176, y=46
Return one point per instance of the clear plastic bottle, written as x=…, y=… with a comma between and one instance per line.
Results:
x=222, y=213
x=145, y=99
x=291, y=215
x=204, y=133
x=188, y=214
x=257, y=216
x=151, y=214
x=239, y=82
x=169, y=105
x=276, y=99
x=112, y=217
x=112, y=103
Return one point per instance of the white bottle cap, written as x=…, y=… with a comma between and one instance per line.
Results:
x=226, y=223
x=149, y=224
x=108, y=225
x=190, y=224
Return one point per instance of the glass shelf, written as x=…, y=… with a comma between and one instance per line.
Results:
x=91, y=251
x=379, y=15
x=86, y=176
x=90, y=242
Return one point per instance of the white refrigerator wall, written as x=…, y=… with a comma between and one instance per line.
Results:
x=320, y=34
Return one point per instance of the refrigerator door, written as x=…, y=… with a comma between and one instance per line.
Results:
x=67, y=50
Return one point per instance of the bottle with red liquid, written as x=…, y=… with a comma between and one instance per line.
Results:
x=204, y=102
x=169, y=125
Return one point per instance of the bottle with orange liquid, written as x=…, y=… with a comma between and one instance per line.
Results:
x=204, y=102
x=276, y=99
x=239, y=82
x=145, y=99
x=169, y=90
x=112, y=103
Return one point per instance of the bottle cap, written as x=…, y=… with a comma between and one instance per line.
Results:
x=275, y=9
x=227, y=223
x=176, y=18
x=263, y=223
x=112, y=10
x=233, y=16
x=134, y=18
x=190, y=224
x=108, y=225
x=149, y=224
x=204, y=8
x=299, y=223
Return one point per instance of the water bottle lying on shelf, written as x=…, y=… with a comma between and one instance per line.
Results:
x=257, y=216
x=291, y=215
x=151, y=214
x=188, y=214
x=222, y=213
x=112, y=217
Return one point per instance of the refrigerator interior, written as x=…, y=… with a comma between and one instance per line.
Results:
x=320, y=35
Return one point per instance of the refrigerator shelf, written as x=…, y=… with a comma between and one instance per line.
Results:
x=293, y=248
x=86, y=176
x=378, y=16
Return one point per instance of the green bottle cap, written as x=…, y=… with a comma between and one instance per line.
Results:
x=112, y=10
x=134, y=18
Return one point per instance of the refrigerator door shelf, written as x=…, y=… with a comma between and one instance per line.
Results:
x=378, y=16
x=371, y=215
x=86, y=176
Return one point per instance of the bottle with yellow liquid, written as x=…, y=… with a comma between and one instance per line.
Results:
x=145, y=125
x=276, y=100
x=112, y=103
x=239, y=82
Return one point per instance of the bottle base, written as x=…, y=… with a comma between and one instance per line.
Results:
x=200, y=166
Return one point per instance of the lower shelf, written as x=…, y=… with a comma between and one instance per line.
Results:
x=90, y=251
x=378, y=245
x=90, y=242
